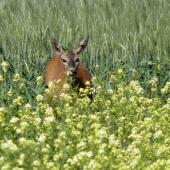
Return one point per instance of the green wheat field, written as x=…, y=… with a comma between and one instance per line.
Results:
x=126, y=126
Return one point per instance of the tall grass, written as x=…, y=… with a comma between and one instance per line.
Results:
x=136, y=32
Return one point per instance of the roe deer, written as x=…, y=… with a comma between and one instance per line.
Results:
x=65, y=61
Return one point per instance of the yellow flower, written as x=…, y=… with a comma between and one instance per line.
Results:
x=165, y=90
x=49, y=111
x=51, y=85
x=93, y=79
x=110, y=91
x=28, y=106
x=154, y=81
x=101, y=133
x=2, y=110
x=1, y=78
x=87, y=83
x=66, y=87
x=89, y=154
x=39, y=80
x=14, y=120
x=107, y=103
x=99, y=89
x=42, y=137
x=17, y=102
x=9, y=94
x=4, y=66
x=120, y=71
x=9, y=145
x=16, y=77
x=24, y=125
x=62, y=135
x=112, y=78
x=36, y=163
x=22, y=86
x=81, y=145
x=39, y=98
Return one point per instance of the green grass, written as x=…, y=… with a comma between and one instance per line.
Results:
x=136, y=32
x=129, y=39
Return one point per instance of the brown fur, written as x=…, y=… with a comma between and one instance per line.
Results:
x=56, y=70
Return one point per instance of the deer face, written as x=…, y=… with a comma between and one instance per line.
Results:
x=71, y=62
x=70, y=59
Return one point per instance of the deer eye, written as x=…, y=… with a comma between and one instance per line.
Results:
x=77, y=60
x=64, y=61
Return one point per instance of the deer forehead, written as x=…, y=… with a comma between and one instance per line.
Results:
x=69, y=55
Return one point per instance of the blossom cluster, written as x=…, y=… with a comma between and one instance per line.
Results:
x=119, y=129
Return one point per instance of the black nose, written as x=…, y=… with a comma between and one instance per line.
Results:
x=74, y=72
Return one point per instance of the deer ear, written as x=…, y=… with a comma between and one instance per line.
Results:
x=82, y=46
x=57, y=47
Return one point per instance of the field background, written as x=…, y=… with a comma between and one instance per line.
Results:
x=132, y=35
x=135, y=32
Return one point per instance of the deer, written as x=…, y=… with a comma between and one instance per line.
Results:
x=67, y=61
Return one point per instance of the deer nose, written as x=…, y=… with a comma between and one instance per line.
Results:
x=74, y=72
